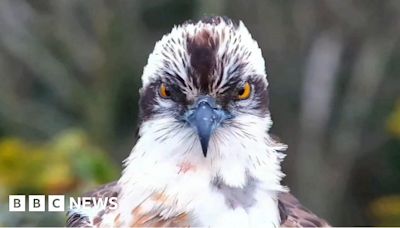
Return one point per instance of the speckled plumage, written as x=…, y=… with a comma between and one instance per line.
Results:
x=169, y=180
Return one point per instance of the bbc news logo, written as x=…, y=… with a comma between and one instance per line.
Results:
x=56, y=203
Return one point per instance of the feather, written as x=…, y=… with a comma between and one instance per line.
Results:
x=292, y=213
x=81, y=218
x=167, y=181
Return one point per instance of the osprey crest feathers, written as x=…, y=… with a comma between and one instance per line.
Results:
x=204, y=156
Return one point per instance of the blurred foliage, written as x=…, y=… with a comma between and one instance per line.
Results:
x=393, y=123
x=67, y=164
x=386, y=210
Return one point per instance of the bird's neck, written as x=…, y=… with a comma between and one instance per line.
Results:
x=242, y=173
x=230, y=157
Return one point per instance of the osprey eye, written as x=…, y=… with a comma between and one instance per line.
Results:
x=164, y=91
x=244, y=92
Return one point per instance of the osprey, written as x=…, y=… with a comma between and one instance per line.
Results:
x=204, y=156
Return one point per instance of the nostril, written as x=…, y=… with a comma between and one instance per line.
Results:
x=206, y=101
x=203, y=103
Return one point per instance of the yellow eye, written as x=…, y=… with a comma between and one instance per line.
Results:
x=163, y=91
x=244, y=92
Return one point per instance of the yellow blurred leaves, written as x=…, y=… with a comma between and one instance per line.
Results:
x=393, y=123
x=386, y=210
x=65, y=163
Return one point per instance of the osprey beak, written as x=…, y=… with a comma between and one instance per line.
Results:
x=205, y=117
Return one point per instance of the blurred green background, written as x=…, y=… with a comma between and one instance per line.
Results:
x=70, y=73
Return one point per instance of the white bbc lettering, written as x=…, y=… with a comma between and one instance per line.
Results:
x=16, y=202
x=56, y=202
x=37, y=203
x=93, y=202
x=74, y=203
x=87, y=202
x=113, y=203
x=100, y=202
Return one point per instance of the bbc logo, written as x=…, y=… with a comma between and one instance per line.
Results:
x=36, y=203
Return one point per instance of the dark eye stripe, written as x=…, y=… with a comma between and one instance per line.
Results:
x=175, y=77
x=176, y=92
x=232, y=84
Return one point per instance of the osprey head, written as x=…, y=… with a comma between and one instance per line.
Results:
x=206, y=80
